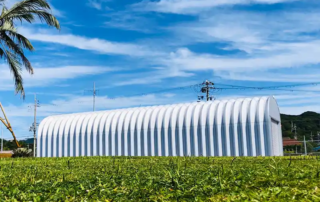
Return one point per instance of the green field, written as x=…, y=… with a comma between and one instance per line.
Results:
x=160, y=179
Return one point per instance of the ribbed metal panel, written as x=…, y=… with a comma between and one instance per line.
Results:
x=239, y=127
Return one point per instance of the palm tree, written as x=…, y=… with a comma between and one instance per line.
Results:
x=13, y=44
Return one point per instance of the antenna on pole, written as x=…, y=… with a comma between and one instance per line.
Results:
x=94, y=94
x=207, y=86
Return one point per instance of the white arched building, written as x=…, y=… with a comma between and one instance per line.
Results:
x=242, y=127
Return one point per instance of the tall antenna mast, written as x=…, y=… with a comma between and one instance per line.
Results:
x=94, y=94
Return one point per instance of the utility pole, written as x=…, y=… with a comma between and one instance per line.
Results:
x=33, y=128
x=35, y=125
x=305, y=145
x=207, y=86
x=294, y=128
x=311, y=137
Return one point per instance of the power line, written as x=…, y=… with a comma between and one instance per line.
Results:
x=203, y=88
x=268, y=87
x=163, y=90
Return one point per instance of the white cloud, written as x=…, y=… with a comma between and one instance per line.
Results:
x=252, y=31
x=98, y=4
x=151, y=77
x=45, y=76
x=195, y=6
x=289, y=76
x=76, y=104
x=127, y=20
x=297, y=55
x=92, y=44
x=95, y=4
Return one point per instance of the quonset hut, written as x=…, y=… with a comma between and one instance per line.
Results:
x=242, y=127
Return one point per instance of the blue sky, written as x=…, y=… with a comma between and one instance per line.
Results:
x=132, y=47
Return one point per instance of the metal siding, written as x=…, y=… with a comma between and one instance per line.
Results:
x=262, y=132
x=212, y=128
x=120, y=129
x=236, y=133
x=195, y=130
x=220, y=129
x=61, y=135
x=78, y=135
x=229, y=140
x=67, y=137
x=159, y=130
x=239, y=127
x=153, y=132
x=167, y=132
x=139, y=132
x=147, y=132
x=244, y=123
x=73, y=135
x=204, y=129
x=40, y=136
x=96, y=135
x=55, y=138
x=114, y=132
x=181, y=129
x=102, y=134
x=252, y=120
x=175, y=130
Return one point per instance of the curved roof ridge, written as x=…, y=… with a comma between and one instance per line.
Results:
x=159, y=105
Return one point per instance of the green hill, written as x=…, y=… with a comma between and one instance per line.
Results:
x=306, y=123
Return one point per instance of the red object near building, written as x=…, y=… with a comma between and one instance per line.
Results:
x=290, y=142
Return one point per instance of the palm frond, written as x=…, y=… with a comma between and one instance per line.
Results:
x=15, y=68
x=27, y=9
x=17, y=50
x=12, y=43
x=20, y=39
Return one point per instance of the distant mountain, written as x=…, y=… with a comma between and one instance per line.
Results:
x=27, y=141
x=306, y=123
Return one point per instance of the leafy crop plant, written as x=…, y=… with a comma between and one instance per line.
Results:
x=160, y=179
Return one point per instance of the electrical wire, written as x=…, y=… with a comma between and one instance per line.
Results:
x=268, y=87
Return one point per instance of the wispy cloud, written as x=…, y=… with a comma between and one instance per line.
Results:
x=127, y=20
x=93, y=44
x=95, y=4
x=288, y=75
x=195, y=6
x=297, y=55
x=84, y=103
x=45, y=76
x=98, y=4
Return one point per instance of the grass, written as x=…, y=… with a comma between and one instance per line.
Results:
x=160, y=179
